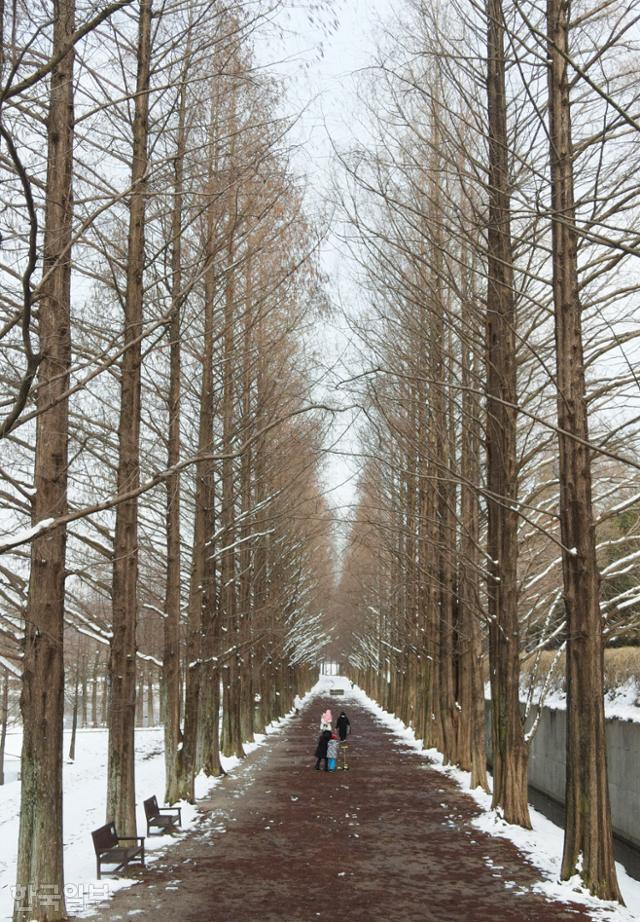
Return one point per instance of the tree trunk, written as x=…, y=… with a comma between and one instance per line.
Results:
x=105, y=700
x=509, y=747
x=94, y=690
x=39, y=866
x=74, y=717
x=232, y=731
x=588, y=822
x=448, y=589
x=232, y=737
x=140, y=699
x=246, y=496
x=211, y=614
x=4, y=720
x=171, y=654
x=471, y=684
x=262, y=678
x=151, y=720
x=83, y=690
x=203, y=528
x=121, y=807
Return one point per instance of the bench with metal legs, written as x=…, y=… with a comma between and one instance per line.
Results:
x=110, y=848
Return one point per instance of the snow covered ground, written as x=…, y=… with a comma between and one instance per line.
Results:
x=542, y=845
x=623, y=704
x=84, y=810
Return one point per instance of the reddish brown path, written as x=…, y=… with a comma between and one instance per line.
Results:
x=390, y=839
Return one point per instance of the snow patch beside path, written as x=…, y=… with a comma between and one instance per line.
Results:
x=542, y=845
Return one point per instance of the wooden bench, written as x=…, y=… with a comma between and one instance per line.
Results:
x=165, y=819
x=110, y=849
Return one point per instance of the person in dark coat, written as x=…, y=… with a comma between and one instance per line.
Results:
x=321, y=750
x=343, y=726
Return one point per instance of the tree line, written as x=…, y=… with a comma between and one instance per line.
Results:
x=492, y=212
x=164, y=514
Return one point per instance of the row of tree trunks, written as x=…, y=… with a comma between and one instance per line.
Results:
x=197, y=276
x=406, y=531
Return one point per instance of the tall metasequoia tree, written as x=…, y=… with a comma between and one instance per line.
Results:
x=443, y=550
x=121, y=806
x=509, y=747
x=472, y=747
x=39, y=869
x=203, y=525
x=262, y=587
x=232, y=730
x=588, y=813
x=209, y=681
x=4, y=719
x=171, y=656
x=246, y=497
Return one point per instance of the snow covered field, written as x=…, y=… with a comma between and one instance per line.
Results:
x=542, y=845
x=84, y=811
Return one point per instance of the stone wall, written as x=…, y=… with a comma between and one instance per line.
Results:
x=547, y=767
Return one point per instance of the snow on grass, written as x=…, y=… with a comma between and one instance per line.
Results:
x=623, y=703
x=620, y=703
x=542, y=845
x=84, y=810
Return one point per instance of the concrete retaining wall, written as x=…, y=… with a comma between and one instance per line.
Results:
x=547, y=766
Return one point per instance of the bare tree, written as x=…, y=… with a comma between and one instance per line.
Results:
x=121, y=806
x=588, y=825
x=40, y=866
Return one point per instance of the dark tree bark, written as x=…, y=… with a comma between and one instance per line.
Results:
x=40, y=838
x=94, y=690
x=84, y=700
x=232, y=733
x=471, y=684
x=509, y=747
x=210, y=698
x=4, y=720
x=171, y=655
x=210, y=686
x=588, y=822
x=74, y=716
x=121, y=807
x=204, y=516
x=151, y=719
x=246, y=496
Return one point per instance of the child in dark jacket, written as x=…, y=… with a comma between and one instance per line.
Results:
x=321, y=750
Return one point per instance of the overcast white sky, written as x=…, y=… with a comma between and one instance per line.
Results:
x=321, y=61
